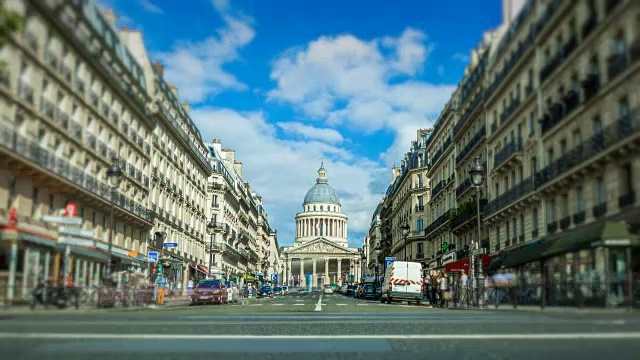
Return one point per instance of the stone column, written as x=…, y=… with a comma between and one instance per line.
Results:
x=314, y=280
x=288, y=270
x=339, y=277
x=302, y=272
x=326, y=271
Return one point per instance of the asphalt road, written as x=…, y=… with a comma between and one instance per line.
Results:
x=317, y=326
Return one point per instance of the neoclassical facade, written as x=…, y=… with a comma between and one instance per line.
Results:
x=321, y=237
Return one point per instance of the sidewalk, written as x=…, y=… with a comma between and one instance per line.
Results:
x=550, y=309
x=170, y=303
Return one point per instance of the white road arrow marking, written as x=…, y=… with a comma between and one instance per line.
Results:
x=319, y=304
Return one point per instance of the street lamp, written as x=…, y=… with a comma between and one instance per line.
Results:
x=405, y=231
x=114, y=177
x=211, y=226
x=477, y=173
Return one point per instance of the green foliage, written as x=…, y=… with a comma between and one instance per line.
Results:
x=10, y=22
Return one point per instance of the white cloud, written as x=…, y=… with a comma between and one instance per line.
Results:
x=148, y=6
x=197, y=68
x=364, y=85
x=283, y=170
x=311, y=132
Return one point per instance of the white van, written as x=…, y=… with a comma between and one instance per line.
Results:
x=402, y=281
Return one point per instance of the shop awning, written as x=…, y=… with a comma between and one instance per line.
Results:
x=521, y=255
x=463, y=265
x=601, y=233
x=203, y=269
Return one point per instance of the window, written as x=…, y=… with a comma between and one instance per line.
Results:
x=534, y=165
x=514, y=231
x=579, y=199
x=35, y=202
x=51, y=204
x=549, y=156
x=599, y=190
x=498, y=237
x=577, y=138
x=420, y=248
x=534, y=219
x=563, y=147
x=564, y=207
x=521, y=227
x=626, y=179
x=508, y=228
x=623, y=108
x=551, y=210
x=497, y=190
x=419, y=225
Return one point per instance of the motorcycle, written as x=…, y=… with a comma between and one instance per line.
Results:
x=47, y=294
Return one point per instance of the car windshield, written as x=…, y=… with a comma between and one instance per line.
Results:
x=278, y=288
x=265, y=288
x=210, y=285
x=327, y=286
x=368, y=287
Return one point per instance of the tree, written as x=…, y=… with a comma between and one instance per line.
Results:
x=10, y=22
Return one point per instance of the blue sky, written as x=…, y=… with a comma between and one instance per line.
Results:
x=286, y=83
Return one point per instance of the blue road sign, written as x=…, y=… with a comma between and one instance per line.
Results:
x=388, y=261
x=153, y=256
x=274, y=277
x=170, y=245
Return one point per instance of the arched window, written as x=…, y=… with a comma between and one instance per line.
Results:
x=314, y=208
x=320, y=207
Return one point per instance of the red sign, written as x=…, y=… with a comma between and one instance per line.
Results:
x=463, y=265
x=71, y=210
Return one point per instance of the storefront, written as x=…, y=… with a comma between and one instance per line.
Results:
x=593, y=265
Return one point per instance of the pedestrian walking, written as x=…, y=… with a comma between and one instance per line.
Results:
x=161, y=282
x=445, y=295
x=464, y=289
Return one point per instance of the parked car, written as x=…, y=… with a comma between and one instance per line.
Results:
x=368, y=292
x=233, y=290
x=357, y=293
x=350, y=290
x=265, y=291
x=328, y=289
x=277, y=290
x=210, y=291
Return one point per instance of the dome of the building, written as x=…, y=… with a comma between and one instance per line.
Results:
x=321, y=192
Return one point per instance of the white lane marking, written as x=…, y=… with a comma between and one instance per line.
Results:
x=319, y=304
x=342, y=304
x=278, y=304
x=542, y=336
x=255, y=305
x=362, y=304
x=298, y=304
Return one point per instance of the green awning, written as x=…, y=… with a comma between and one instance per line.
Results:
x=521, y=255
x=601, y=233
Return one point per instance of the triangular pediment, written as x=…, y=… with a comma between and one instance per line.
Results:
x=320, y=246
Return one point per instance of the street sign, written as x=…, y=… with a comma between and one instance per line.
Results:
x=70, y=240
x=67, y=220
x=274, y=277
x=480, y=251
x=388, y=261
x=170, y=245
x=90, y=233
x=153, y=256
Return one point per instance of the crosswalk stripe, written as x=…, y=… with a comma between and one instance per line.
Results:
x=298, y=304
x=342, y=304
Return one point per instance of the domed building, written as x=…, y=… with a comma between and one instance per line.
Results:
x=321, y=235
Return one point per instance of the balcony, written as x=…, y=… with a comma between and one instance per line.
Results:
x=512, y=195
x=627, y=199
x=145, y=180
x=437, y=189
x=565, y=222
x=442, y=150
x=467, y=211
x=91, y=140
x=441, y=220
x=419, y=208
x=560, y=110
x=552, y=227
x=589, y=25
x=462, y=188
x=507, y=153
x=591, y=86
x=479, y=136
x=76, y=130
x=47, y=108
x=610, y=5
x=467, y=113
x=49, y=161
x=509, y=110
x=102, y=149
x=600, y=210
x=80, y=88
x=610, y=137
x=578, y=218
x=550, y=66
